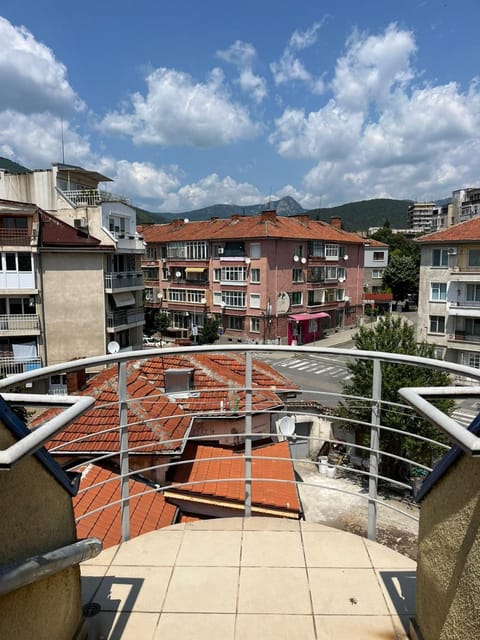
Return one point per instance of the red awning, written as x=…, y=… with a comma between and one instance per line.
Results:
x=308, y=316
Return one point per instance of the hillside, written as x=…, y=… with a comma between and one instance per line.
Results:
x=11, y=166
x=359, y=216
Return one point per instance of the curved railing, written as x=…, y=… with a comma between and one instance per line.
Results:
x=370, y=454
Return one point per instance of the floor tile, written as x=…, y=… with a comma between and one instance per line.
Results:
x=203, y=548
x=326, y=549
x=105, y=557
x=91, y=580
x=384, y=558
x=275, y=627
x=133, y=588
x=202, y=590
x=346, y=592
x=398, y=586
x=273, y=590
x=313, y=526
x=214, y=524
x=196, y=626
x=270, y=524
x=109, y=625
x=272, y=549
x=354, y=628
x=158, y=548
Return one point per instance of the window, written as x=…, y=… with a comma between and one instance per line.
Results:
x=472, y=327
x=255, y=250
x=196, y=250
x=317, y=249
x=151, y=253
x=473, y=292
x=340, y=294
x=177, y=295
x=233, y=274
x=116, y=225
x=439, y=258
x=474, y=258
x=316, y=274
x=298, y=250
x=196, y=296
x=255, y=300
x=377, y=274
x=176, y=250
x=473, y=360
x=296, y=298
x=217, y=298
x=18, y=262
x=316, y=296
x=235, y=322
x=378, y=256
x=217, y=275
x=438, y=291
x=437, y=324
x=234, y=298
x=331, y=251
x=297, y=275
x=255, y=276
x=255, y=325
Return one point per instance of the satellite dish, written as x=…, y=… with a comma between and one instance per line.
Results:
x=303, y=260
x=287, y=426
x=345, y=257
x=178, y=274
x=113, y=347
x=283, y=302
x=247, y=260
x=296, y=258
x=160, y=296
x=341, y=279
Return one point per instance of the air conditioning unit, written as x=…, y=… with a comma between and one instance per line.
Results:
x=80, y=223
x=452, y=251
x=220, y=251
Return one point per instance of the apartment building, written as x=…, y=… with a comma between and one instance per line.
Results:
x=85, y=260
x=449, y=295
x=266, y=278
x=375, y=263
x=55, y=293
x=419, y=216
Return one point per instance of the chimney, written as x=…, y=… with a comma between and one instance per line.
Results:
x=178, y=222
x=336, y=222
x=268, y=216
x=76, y=381
x=303, y=218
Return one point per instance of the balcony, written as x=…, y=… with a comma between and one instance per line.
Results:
x=123, y=280
x=116, y=320
x=92, y=197
x=19, y=325
x=11, y=366
x=245, y=577
x=15, y=237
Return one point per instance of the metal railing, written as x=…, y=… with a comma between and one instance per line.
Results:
x=15, y=323
x=11, y=365
x=371, y=454
x=125, y=316
x=92, y=197
x=15, y=237
x=122, y=279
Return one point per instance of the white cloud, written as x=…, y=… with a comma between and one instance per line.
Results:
x=36, y=140
x=31, y=79
x=179, y=111
x=381, y=134
x=290, y=69
x=143, y=182
x=243, y=55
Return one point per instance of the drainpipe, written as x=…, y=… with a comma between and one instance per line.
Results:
x=18, y=574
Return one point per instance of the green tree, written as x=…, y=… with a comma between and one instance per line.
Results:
x=209, y=333
x=394, y=335
x=161, y=322
x=397, y=243
x=401, y=276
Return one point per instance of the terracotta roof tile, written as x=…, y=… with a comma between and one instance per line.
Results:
x=273, y=495
x=468, y=231
x=147, y=512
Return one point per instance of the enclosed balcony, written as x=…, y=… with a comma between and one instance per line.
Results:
x=115, y=281
x=123, y=318
x=191, y=549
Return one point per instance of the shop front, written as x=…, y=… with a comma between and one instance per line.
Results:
x=304, y=328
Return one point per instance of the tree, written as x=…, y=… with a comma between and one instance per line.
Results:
x=161, y=322
x=401, y=276
x=209, y=333
x=394, y=335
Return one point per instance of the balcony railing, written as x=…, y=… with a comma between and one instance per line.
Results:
x=19, y=324
x=15, y=237
x=92, y=197
x=10, y=365
x=125, y=317
x=123, y=279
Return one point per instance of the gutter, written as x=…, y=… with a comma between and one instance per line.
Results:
x=18, y=574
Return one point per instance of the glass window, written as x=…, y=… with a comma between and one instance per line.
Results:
x=235, y=322
x=10, y=260
x=298, y=250
x=438, y=291
x=474, y=258
x=297, y=275
x=255, y=250
x=255, y=300
x=378, y=255
x=217, y=273
x=316, y=296
x=234, y=298
x=439, y=258
x=233, y=274
x=255, y=275
x=377, y=274
x=255, y=325
x=340, y=294
x=331, y=251
x=296, y=297
x=473, y=360
x=317, y=249
x=437, y=324
x=473, y=292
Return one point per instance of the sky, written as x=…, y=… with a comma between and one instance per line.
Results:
x=186, y=104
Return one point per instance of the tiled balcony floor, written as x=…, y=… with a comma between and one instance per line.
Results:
x=240, y=579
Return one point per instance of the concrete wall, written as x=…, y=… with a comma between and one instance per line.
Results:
x=448, y=573
x=37, y=516
x=74, y=305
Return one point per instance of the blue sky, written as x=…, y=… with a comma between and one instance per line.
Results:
x=187, y=103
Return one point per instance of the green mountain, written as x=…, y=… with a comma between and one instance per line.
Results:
x=359, y=216
x=12, y=167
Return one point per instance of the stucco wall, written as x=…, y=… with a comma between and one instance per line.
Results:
x=37, y=516
x=448, y=573
x=74, y=304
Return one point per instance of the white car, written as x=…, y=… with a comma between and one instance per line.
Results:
x=151, y=342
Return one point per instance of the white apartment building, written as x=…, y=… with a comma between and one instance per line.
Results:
x=419, y=216
x=449, y=294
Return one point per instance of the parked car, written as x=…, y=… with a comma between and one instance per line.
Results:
x=151, y=342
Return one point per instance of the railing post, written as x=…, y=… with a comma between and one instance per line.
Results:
x=248, y=434
x=124, y=467
x=374, y=450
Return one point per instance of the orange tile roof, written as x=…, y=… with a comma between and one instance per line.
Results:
x=280, y=496
x=371, y=242
x=468, y=231
x=297, y=228
x=155, y=420
x=147, y=512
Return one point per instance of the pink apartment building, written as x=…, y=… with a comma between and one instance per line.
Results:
x=266, y=278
